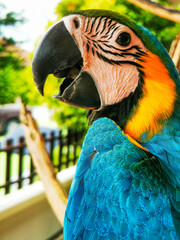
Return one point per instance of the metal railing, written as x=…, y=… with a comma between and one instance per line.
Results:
x=17, y=169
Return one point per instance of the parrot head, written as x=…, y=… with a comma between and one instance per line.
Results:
x=111, y=66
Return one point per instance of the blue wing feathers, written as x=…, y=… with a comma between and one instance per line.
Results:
x=166, y=146
x=118, y=193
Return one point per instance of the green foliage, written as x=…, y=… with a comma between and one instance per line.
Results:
x=66, y=7
x=7, y=78
x=15, y=80
x=65, y=115
x=10, y=19
x=71, y=117
x=7, y=56
x=17, y=83
x=26, y=88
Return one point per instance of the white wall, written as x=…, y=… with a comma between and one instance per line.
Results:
x=26, y=214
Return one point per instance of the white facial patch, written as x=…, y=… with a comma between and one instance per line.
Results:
x=76, y=32
x=112, y=63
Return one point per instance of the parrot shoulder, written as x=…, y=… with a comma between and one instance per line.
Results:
x=114, y=180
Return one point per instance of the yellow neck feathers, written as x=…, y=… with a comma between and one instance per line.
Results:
x=157, y=104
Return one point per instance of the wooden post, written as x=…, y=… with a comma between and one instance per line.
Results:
x=55, y=192
x=158, y=9
x=174, y=51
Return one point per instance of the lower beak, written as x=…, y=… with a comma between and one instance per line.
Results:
x=58, y=54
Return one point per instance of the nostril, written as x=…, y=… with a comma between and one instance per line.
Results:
x=76, y=23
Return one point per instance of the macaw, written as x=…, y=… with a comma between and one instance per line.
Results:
x=127, y=180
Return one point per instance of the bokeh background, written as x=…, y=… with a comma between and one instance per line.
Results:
x=22, y=23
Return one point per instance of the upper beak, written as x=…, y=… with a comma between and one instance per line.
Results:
x=58, y=54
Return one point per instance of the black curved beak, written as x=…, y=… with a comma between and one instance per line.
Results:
x=58, y=54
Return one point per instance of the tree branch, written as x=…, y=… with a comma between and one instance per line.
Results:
x=174, y=51
x=158, y=9
x=55, y=192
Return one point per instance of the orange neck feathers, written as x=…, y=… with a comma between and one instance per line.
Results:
x=157, y=104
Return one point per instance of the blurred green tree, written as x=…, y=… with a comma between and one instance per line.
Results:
x=9, y=63
x=15, y=78
x=7, y=56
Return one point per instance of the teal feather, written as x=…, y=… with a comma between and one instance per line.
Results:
x=120, y=193
x=166, y=147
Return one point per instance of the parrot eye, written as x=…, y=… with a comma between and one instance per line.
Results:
x=124, y=39
x=76, y=23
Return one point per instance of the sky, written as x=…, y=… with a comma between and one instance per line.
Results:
x=37, y=14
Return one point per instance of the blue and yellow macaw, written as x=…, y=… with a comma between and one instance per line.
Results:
x=127, y=181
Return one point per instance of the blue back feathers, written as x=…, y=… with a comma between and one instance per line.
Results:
x=118, y=191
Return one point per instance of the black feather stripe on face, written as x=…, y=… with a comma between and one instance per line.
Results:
x=96, y=45
x=98, y=40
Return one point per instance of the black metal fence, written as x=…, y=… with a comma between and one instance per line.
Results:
x=16, y=167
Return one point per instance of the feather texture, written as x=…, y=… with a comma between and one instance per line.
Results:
x=166, y=146
x=118, y=191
